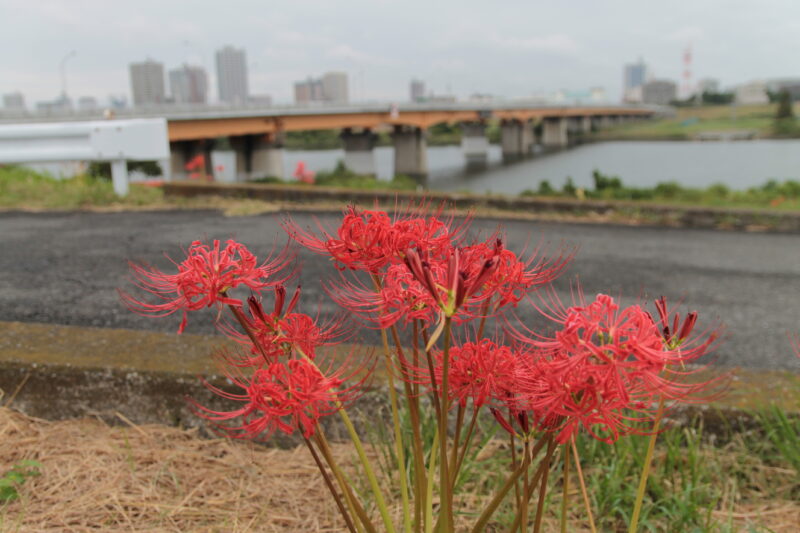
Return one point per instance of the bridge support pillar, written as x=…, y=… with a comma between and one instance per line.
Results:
x=266, y=157
x=358, y=154
x=474, y=142
x=608, y=121
x=516, y=138
x=586, y=124
x=410, y=151
x=554, y=132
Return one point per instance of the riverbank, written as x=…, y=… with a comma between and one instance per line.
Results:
x=705, y=123
x=772, y=207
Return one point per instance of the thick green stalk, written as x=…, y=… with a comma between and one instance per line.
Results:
x=648, y=459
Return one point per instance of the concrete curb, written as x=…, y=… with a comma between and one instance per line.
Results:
x=63, y=372
x=664, y=215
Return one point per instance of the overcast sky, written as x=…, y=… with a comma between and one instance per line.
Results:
x=508, y=48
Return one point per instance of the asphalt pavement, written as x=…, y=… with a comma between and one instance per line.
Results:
x=66, y=268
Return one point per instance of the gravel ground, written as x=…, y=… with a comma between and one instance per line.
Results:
x=65, y=268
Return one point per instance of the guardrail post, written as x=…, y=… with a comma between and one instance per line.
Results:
x=119, y=176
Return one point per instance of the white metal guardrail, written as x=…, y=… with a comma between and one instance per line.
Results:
x=115, y=141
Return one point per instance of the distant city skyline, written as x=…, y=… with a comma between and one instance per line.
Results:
x=456, y=48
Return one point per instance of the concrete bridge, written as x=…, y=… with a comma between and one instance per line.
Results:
x=256, y=135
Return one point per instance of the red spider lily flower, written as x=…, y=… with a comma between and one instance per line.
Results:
x=401, y=298
x=280, y=397
x=280, y=333
x=482, y=371
x=606, y=368
x=371, y=239
x=457, y=286
x=204, y=279
x=285, y=396
x=513, y=278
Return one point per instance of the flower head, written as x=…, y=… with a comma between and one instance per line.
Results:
x=482, y=371
x=370, y=239
x=204, y=278
x=280, y=397
x=604, y=370
x=281, y=333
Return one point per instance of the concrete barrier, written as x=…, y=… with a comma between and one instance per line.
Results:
x=666, y=215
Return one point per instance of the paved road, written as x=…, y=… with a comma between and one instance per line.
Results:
x=65, y=268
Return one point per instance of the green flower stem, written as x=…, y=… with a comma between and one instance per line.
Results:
x=467, y=441
x=412, y=400
x=579, y=470
x=480, y=525
x=565, y=493
x=398, y=436
x=330, y=486
x=373, y=481
x=513, y=446
x=429, y=488
x=454, y=454
x=537, y=475
x=352, y=501
x=523, y=509
x=537, y=526
x=445, y=492
x=648, y=459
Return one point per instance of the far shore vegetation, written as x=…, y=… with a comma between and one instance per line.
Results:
x=22, y=188
x=768, y=121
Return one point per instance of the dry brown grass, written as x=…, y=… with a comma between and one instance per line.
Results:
x=157, y=478
x=96, y=477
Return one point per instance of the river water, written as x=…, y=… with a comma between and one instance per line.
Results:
x=737, y=164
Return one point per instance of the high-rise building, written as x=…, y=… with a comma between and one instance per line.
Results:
x=188, y=85
x=334, y=87
x=635, y=76
x=147, y=83
x=15, y=101
x=232, y=75
x=417, y=90
x=307, y=91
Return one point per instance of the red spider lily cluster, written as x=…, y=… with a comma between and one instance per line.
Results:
x=601, y=370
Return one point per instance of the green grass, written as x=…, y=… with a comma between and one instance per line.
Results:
x=771, y=195
x=689, y=121
x=11, y=481
x=697, y=484
x=24, y=188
